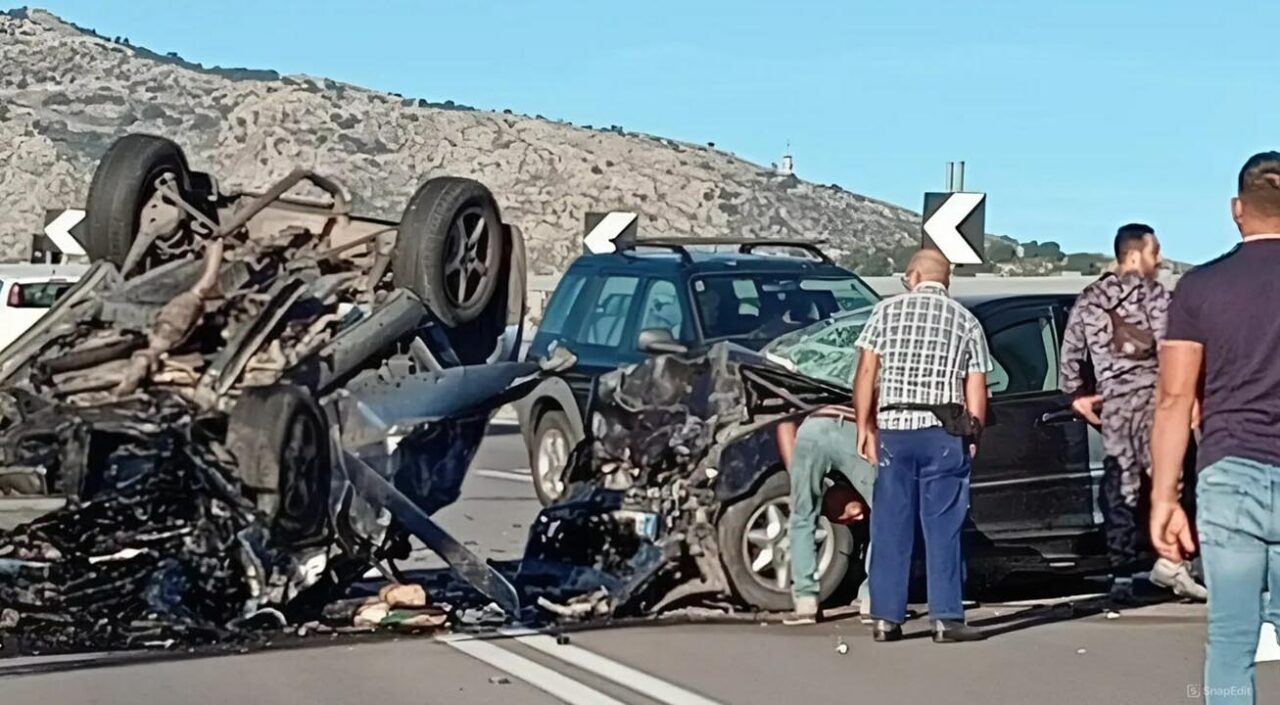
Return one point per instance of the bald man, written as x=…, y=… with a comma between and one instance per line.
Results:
x=924, y=359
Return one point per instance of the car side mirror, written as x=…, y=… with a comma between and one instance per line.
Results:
x=559, y=357
x=660, y=340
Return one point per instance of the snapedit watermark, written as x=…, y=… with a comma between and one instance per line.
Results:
x=1196, y=691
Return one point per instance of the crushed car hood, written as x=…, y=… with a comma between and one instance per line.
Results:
x=635, y=531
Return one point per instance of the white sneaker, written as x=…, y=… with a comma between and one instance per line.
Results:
x=1177, y=577
x=864, y=611
x=806, y=611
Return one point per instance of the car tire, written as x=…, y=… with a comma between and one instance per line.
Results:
x=278, y=435
x=122, y=185
x=450, y=248
x=553, y=440
x=761, y=588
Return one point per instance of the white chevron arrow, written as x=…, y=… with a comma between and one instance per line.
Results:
x=59, y=232
x=601, y=238
x=943, y=227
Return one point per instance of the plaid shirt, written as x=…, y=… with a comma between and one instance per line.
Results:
x=927, y=343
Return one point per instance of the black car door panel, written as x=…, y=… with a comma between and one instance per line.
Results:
x=1031, y=475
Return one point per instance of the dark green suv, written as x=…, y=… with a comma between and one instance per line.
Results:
x=668, y=295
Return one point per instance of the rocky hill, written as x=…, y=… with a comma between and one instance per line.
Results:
x=66, y=93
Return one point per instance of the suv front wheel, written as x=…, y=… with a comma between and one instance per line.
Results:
x=755, y=546
x=552, y=442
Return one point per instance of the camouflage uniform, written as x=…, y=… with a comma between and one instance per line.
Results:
x=1090, y=365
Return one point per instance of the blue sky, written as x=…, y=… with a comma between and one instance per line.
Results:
x=1075, y=116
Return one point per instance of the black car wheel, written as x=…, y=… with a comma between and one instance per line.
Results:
x=278, y=435
x=450, y=248
x=123, y=186
x=552, y=442
x=755, y=546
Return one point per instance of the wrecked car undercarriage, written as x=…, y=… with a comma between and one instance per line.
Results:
x=676, y=446
x=248, y=398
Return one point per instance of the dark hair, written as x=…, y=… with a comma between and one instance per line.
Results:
x=1131, y=237
x=1259, y=183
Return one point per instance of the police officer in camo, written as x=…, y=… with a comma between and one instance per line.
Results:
x=1109, y=362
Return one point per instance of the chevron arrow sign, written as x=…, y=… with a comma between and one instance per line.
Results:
x=954, y=224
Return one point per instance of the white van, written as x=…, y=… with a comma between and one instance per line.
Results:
x=28, y=290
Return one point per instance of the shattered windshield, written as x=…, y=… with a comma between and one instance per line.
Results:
x=760, y=307
x=825, y=350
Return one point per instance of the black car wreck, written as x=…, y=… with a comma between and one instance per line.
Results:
x=249, y=399
x=681, y=489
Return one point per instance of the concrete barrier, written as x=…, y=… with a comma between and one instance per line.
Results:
x=541, y=286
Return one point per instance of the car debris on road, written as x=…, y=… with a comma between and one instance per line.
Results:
x=649, y=516
x=248, y=399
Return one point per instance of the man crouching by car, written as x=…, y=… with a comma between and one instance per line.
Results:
x=825, y=442
x=921, y=395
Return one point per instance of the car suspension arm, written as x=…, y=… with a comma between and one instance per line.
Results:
x=464, y=564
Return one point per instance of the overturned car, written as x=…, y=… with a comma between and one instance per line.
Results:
x=250, y=397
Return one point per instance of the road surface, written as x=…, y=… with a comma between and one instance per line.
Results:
x=1037, y=653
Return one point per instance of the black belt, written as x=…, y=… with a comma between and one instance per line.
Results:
x=955, y=418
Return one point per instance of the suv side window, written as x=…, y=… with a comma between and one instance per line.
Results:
x=556, y=314
x=661, y=308
x=607, y=318
x=1024, y=357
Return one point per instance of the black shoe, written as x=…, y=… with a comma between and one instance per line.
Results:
x=949, y=631
x=884, y=630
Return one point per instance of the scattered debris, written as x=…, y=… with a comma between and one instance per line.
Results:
x=191, y=554
x=842, y=648
x=371, y=614
x=403, y=596
x=499, y=680
x=399, y=606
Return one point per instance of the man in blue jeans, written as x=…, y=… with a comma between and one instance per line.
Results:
x=924, y=358
x=1221, y=348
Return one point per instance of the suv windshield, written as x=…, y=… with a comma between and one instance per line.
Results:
x=756, y=308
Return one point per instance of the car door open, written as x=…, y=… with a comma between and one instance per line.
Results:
x=1031, y=476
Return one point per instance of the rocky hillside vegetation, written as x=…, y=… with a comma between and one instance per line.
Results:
x=66, y=93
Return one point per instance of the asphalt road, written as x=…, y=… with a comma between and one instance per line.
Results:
x=1037, y=653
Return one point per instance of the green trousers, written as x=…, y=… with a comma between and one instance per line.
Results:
x=824, y=444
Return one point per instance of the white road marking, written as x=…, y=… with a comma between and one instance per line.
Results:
x=535, y=674
x=622, y=674
x=509, y=475
x=1048, y=601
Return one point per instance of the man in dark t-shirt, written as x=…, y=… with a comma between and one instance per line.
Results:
x=1222, y=348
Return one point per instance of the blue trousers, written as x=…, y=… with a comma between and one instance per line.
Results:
x=1238, y=518
x=923, y=477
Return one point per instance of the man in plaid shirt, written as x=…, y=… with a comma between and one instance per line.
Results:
x=919, y=349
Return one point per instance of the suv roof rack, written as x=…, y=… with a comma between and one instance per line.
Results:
x=745, y=245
